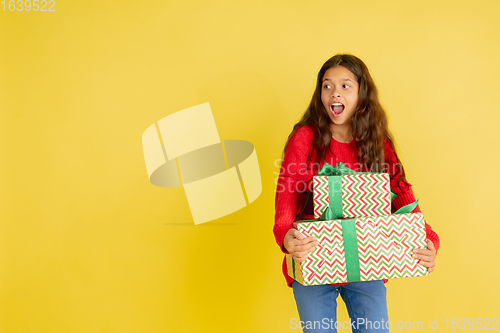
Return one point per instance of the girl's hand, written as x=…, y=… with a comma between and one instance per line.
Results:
x=298, y=245
x=426, y=256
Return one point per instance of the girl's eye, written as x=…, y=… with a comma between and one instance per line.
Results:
x=346, y=86
x=326, y=86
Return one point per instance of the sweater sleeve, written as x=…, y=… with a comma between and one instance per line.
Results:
x=293, y=179
x=404, y=192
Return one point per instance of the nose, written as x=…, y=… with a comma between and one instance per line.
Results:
x=335, y=93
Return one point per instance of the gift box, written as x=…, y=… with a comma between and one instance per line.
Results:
x=361, y=249
x=339, y=192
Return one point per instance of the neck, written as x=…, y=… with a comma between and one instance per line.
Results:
x=341, y=133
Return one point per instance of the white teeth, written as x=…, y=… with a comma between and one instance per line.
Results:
x=337, y=104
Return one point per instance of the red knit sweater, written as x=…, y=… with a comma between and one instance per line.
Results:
x=300, y=165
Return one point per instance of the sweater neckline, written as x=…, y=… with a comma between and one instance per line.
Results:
x=343, y=143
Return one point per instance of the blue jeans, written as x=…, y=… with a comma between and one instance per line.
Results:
x=365, y=301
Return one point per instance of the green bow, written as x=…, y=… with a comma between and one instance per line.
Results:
x=329, y=170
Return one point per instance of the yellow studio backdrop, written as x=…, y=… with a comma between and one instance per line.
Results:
x=87, y=244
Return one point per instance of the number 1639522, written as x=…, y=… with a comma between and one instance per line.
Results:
x=29, y=5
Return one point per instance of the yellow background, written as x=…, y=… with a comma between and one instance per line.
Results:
x=87, y=244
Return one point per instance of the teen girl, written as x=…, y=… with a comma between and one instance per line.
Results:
x=343, y=123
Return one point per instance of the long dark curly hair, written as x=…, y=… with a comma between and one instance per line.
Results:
x=369, y=124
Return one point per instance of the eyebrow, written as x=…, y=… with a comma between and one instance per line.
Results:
x=344, y=79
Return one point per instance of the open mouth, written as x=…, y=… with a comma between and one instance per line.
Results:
x=337, y=109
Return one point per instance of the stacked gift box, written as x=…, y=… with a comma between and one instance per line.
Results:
x=359, y=239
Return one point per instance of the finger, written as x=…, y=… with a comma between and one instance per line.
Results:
x=423, y=252
x=430, y=269
x=302, y=253
x=423, y=257
x=305, y=247
x=301, y=257
x=430, y=264
x=297, y=234
x=430, y=245
x=427, y=263
x=304, y=239
x=309, y=240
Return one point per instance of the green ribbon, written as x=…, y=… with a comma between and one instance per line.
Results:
x=334, y=210
x=329, y=170
x=335, y=189
x=351, y=250
x=407, y=209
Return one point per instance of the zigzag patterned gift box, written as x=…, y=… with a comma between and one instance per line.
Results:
x=361, y=249
x=353, y=195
